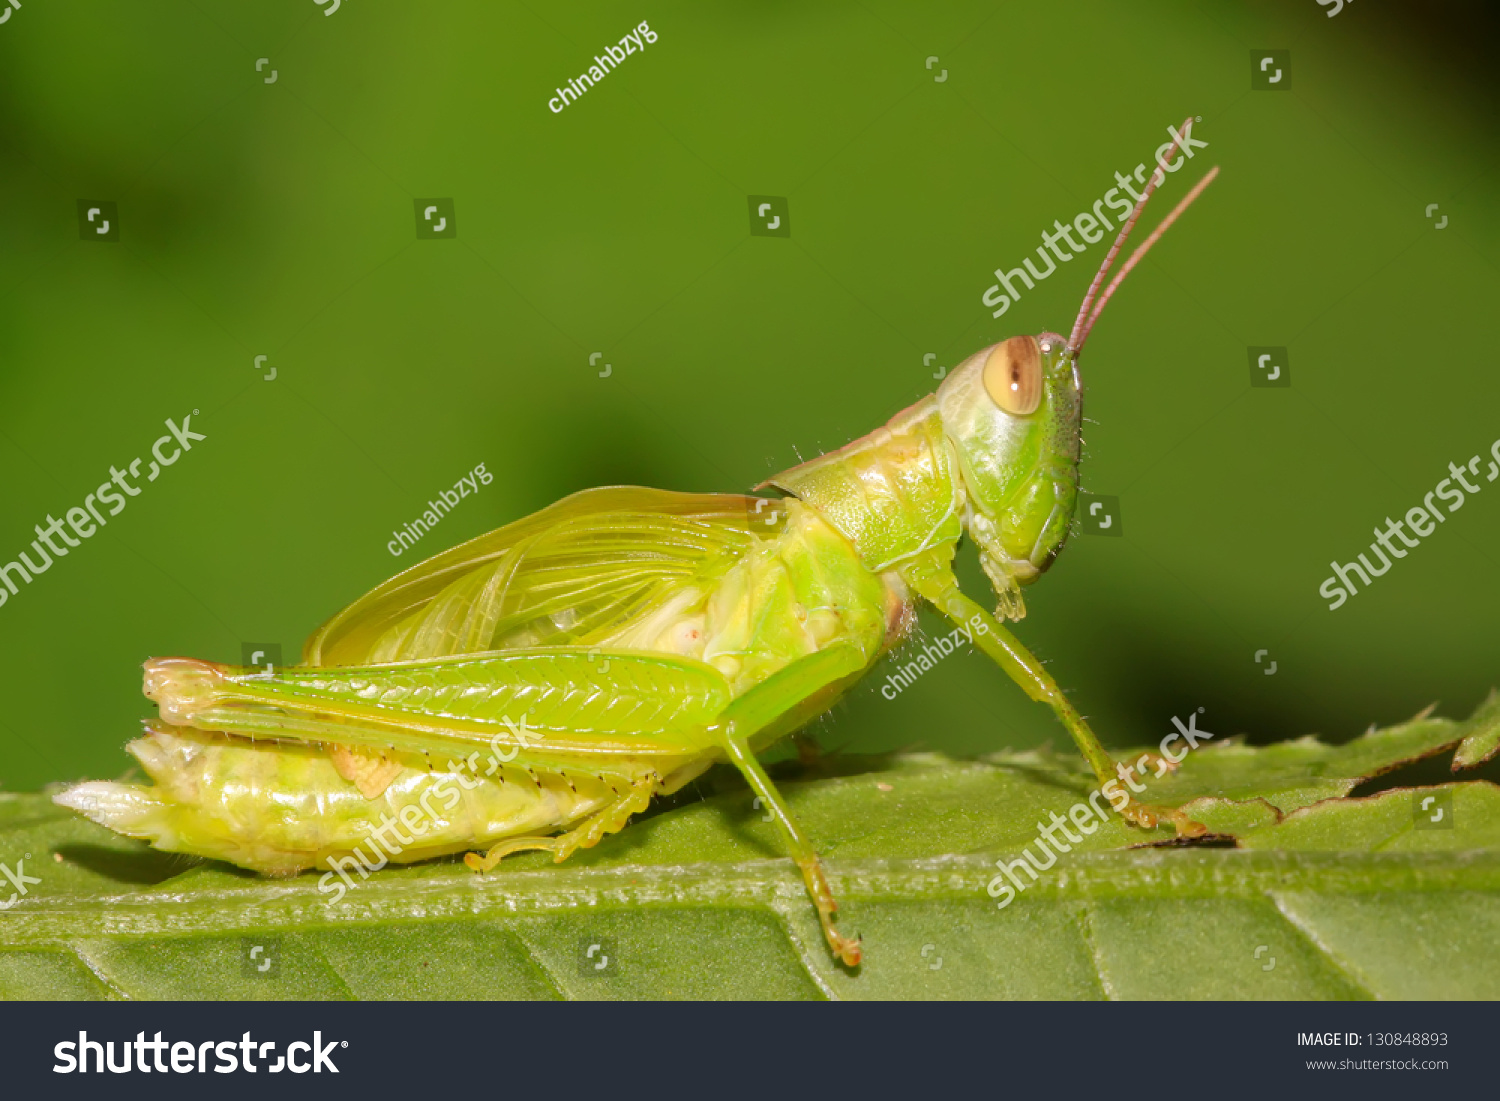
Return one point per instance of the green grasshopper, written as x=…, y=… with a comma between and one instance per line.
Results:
x=619, y=642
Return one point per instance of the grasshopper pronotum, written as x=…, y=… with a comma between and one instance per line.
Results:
x=638, y=635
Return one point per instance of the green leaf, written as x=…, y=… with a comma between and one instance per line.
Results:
x=1302, y=892
x=1481, y=734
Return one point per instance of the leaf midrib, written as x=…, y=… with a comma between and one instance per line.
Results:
x=770, y=884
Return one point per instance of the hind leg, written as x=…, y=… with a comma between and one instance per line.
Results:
x=505, y=848
x=588, y=833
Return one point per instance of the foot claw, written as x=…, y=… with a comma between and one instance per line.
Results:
x=849, y=952
x=1186, y=827
x=1148, y=817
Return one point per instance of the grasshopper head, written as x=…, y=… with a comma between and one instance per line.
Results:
x=1012, y=412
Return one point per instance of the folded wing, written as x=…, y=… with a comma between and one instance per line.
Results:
x=574, y=573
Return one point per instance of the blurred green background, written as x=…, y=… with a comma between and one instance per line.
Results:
x=277, y=219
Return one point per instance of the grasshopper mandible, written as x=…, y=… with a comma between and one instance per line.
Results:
x=639, y=636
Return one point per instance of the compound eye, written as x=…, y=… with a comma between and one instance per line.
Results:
x=1013, y=375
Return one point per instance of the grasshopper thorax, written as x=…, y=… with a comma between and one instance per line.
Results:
x=994, y=451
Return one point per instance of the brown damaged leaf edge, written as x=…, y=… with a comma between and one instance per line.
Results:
x=1481, y=728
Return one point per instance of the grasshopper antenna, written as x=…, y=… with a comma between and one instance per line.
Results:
x=1085, y=320
x=1135, y=257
